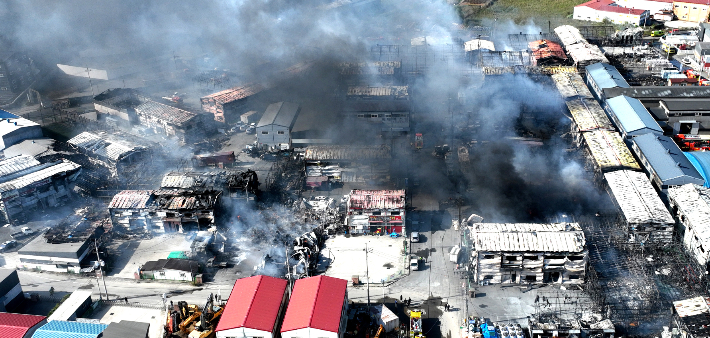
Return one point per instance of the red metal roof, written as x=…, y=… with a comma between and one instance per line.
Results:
x=13, y=325
x=316, y=303
x=377, y=199
x=610, y=6
x=544, y=49
x=236, y=93
x=254, y=303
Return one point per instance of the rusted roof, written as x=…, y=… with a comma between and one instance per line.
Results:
x=235, y=93
x=542, y=49
x=164, y=112
x=376, y=199
x=130, y=199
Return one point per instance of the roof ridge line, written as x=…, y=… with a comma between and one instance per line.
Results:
x=253, y=298
x=315, y=302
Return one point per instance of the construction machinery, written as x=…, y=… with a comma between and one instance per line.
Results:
x=415, y=324
x=379, y=331
x=191, y=321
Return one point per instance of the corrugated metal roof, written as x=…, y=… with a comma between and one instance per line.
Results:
x=64, y=329
x=236, y=93
x=569, y=35
x=692, y=306
x=632, y=116
x=58, y=167
x=280, y=114
x=701, y=162
x=175, y=180
x=398, y=92
x=637, y=199
x=317, y=303
x=336, y=152
x=254, y=303
x=17, y=163
x=477, y=44
x=10, y=124
x=521, y=237
x=104, y=145
x=588, y=114
x=667, y=160
x=165, y=113
x=659, y=92
x=130, y=199
x=369, y=68
x=571, y=85
x=14, y=325
x=376, y=199
x=606, y=76
x=609, y=151
x=693, y=202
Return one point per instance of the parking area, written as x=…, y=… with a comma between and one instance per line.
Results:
x=385, y=260
x=130, y=255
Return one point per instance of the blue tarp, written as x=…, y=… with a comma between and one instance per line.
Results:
x=701, y=162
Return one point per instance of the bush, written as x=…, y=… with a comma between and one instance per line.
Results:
x=58, y=304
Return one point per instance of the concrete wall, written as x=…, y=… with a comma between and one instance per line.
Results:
x=19, y=135
x=273, y=135
x=590, y=14
x=690, y=12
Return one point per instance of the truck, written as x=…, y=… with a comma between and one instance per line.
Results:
x=25, y=231
x=415, y=324
x=418, y=141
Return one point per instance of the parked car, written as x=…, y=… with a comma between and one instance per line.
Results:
x=8, y=245
x=414, y=263
x=415, y=237
x=658, y=33
x=251, y=130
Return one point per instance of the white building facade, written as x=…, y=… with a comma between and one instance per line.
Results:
x=600, y=10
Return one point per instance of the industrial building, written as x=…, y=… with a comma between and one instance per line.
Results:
x=386, y=108
x=646, y=218
x=608, y=152
x=376, y=211
x=230, y=101
x=318, y=308
x=600, y=10
x=26, y=184
x=255, y=308
x=17, y=73
x=175, y=269
x=687, y=116
x=60, y=328
x=582, y=52
x=15, y=325
x=379, y=70
x=691, y=317
x=691, y=10
x=15, y=129
x=165, y=210
x=601, y=76
x=653, y=6
x=118, y=103
x=340, y=153
x=44, y=254
x=664, y=161
x=690, y=204
x=571, y=86
x=587, y=115
x=547, y=53
x=10, y=290
x=111, y=151
x=73, y=307
x=275, y=126
x=631, y=117
x=701, y=162
x=525, y=253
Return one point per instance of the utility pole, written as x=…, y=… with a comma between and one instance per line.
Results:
x=100, y=270
x=367, y=273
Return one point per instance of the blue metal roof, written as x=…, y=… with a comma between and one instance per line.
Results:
x=63, y=329
x=632, y=116
x=606, y=76
x=7, y=115
x=667, y=160
x=701, y=162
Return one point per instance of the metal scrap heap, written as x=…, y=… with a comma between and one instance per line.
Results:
x=306, y=249
x=243, y=183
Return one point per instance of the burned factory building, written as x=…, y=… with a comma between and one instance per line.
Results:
x=26, y=184
x=376, y=211
x=229, y=102
x=523, y=253
x=110, y=150
x=385, y=108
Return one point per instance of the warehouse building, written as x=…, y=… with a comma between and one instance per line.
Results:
x=647, y=219
x=608, y=152
x=376, y=211
x=587, y=115
x=255, y=308
x=687, y=116
x=701, y=162
x=175, y=269
x=26, y=184
x=601, y=76
x=691, y=317
x=571, y=86
x=691, y=10
x=275, y=126
x=378, y=70
x=631, y=117
x=58, y=328
x=664, y=162
x=582, y=52
x=691, y=205
x=600, y=10
x=653, y=6
x=118, y=103
x=10, y=290
x=111, y=151
x=318, y=308
x=170, y=121
x=15, y=325
x=230, y=101
x=525, y=253
x=73, y=307
x=385, y=108
x=54, y=255
x=15, y=129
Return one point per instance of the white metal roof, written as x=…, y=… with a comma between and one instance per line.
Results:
x=692, y=306
x=609, y=150
x=8, y=125
x=637, y=199
x=25, y=180
x=70, y=305
x=14, y=164
x=520, y=237
x=693, y=202
x=571, y=85
x=477, y=44
x=104, y=146
x=588, y=114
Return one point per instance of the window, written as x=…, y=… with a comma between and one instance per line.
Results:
x=394, y=213
x=573, y=277
x=511, y=258
x=488, y=256
x=376, y=213
x=575, y=258
x=529, y=258
x=281, y=132
x=182, y=274
x=488, y=277
x=530, y=278
x=264, y=133
x=162, y=273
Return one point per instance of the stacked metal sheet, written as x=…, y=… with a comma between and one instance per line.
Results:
x=571, y=86
x=609, y=151
x=588, y=115
x=528, y=237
